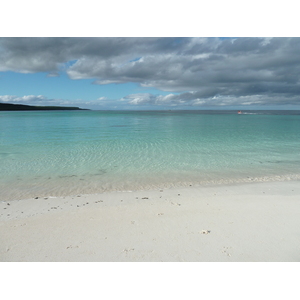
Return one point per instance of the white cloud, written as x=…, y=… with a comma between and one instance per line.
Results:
x=24, y=99
x=53, y=74
x=36, y=100
x=232, y=69
x=192, y=99
x=7, y=98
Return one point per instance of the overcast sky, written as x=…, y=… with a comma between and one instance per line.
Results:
x=152, y=73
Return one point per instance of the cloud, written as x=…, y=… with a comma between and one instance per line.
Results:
x=24, y=99
x=34, y=100
x=194, y=99
x=146, y=98
x=201, y=70
x=41, y=100
x=53, y=74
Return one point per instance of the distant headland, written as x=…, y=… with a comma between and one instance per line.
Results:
x=9, y=107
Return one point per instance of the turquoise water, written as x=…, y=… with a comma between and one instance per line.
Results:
x=69, y=152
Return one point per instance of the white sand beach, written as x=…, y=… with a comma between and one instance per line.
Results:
x=254, y=222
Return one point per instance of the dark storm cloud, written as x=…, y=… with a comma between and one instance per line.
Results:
x=46, y=54
x=202, y=70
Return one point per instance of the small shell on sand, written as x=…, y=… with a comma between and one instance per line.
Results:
x=205, y=231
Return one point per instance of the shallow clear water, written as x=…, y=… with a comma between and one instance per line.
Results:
x=68, y=152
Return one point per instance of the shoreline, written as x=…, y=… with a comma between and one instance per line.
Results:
x=62, y=188
x=255, y=221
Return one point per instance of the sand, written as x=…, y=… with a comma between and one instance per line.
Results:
x=253, y=222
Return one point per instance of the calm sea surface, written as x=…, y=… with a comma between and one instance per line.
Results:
x=51, y=153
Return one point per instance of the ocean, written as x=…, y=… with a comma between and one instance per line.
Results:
x=59, y=153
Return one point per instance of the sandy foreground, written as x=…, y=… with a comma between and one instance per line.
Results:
x=231, y=223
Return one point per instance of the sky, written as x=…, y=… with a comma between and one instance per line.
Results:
x=151, y=73
x=123, y=56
